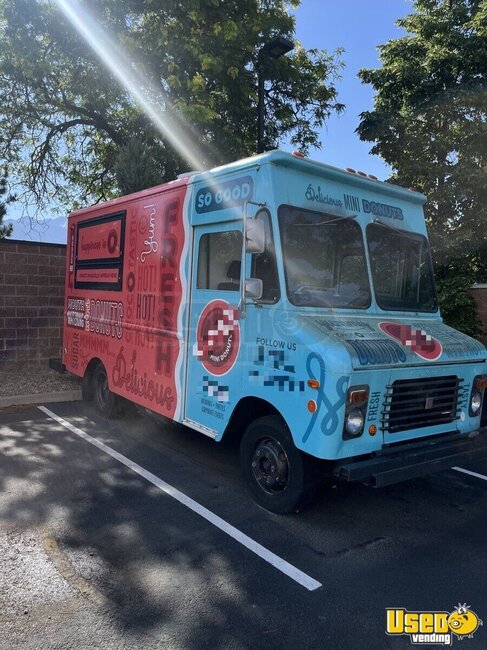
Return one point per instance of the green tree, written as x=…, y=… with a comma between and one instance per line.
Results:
x=137, y=167
x=5, y=229
x=69, y=126
x=429, y=123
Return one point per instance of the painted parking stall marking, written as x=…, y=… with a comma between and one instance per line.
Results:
x=470, y=473
x=277, y=562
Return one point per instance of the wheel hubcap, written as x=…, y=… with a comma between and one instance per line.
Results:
x=270, y=466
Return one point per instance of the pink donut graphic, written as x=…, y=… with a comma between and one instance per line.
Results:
x=418, y=341
x=218, y=337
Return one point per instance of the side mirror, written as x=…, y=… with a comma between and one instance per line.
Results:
x=253, y=288
x=254, y=236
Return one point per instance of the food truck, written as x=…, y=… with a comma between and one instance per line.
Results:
x=284, y=301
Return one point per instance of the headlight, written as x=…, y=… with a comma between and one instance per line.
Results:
x=475, y=402
x=354, y=422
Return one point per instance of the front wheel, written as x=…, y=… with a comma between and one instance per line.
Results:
x=278, y=474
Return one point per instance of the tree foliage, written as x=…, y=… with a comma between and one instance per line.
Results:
x=5, y=229
x=429, y=123
x=68, y=126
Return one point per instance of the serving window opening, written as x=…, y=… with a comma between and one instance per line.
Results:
x=99, y=253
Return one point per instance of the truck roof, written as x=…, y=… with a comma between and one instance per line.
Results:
x=303, y=164
x=276, y=157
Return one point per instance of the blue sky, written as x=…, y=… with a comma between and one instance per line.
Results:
x=359, y=26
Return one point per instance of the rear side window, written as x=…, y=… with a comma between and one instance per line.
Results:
x=220, y=261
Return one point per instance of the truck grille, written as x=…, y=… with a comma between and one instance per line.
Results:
x=419, y=403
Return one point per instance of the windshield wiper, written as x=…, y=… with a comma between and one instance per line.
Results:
x=324, y=223
x=406, y=233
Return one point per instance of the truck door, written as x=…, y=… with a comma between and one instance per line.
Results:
x=215, y=332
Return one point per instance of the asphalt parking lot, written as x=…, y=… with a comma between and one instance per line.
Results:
x=159, y=545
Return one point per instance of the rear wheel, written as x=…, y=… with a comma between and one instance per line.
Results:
x=109, y=404
x=278, y=474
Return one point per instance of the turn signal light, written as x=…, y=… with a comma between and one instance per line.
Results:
x=481, y=383
x=372, y=430
x=312, y=406
x=313, y=383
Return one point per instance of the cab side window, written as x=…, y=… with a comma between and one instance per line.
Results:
x=264, y=264
x=220, y=261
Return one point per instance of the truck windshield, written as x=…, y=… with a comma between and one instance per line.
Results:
x=324, y=259
x=401, y=269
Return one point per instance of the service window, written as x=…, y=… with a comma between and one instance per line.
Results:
x=220, y=261
x=99, y=253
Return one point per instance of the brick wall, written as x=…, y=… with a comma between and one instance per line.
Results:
x=479, y=292
x=31, y=301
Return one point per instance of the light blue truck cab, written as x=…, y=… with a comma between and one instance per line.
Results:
x=315, y=334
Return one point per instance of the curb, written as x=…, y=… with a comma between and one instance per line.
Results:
x=41, y=398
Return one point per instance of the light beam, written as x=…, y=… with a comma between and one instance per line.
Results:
x=147, y=96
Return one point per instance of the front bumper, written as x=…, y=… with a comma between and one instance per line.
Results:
x=412, y=460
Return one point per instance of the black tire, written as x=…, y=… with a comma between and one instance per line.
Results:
x=87, y=386
x=281, y=478
x=109, y=404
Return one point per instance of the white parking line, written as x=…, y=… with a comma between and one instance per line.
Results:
x=281, y=565
x=467, y=471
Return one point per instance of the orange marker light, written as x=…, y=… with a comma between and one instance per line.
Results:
x=372, y=430
x=298, y=154
x=312, y=406
x=351, y=170
x=313, y=383
x=481, y=382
